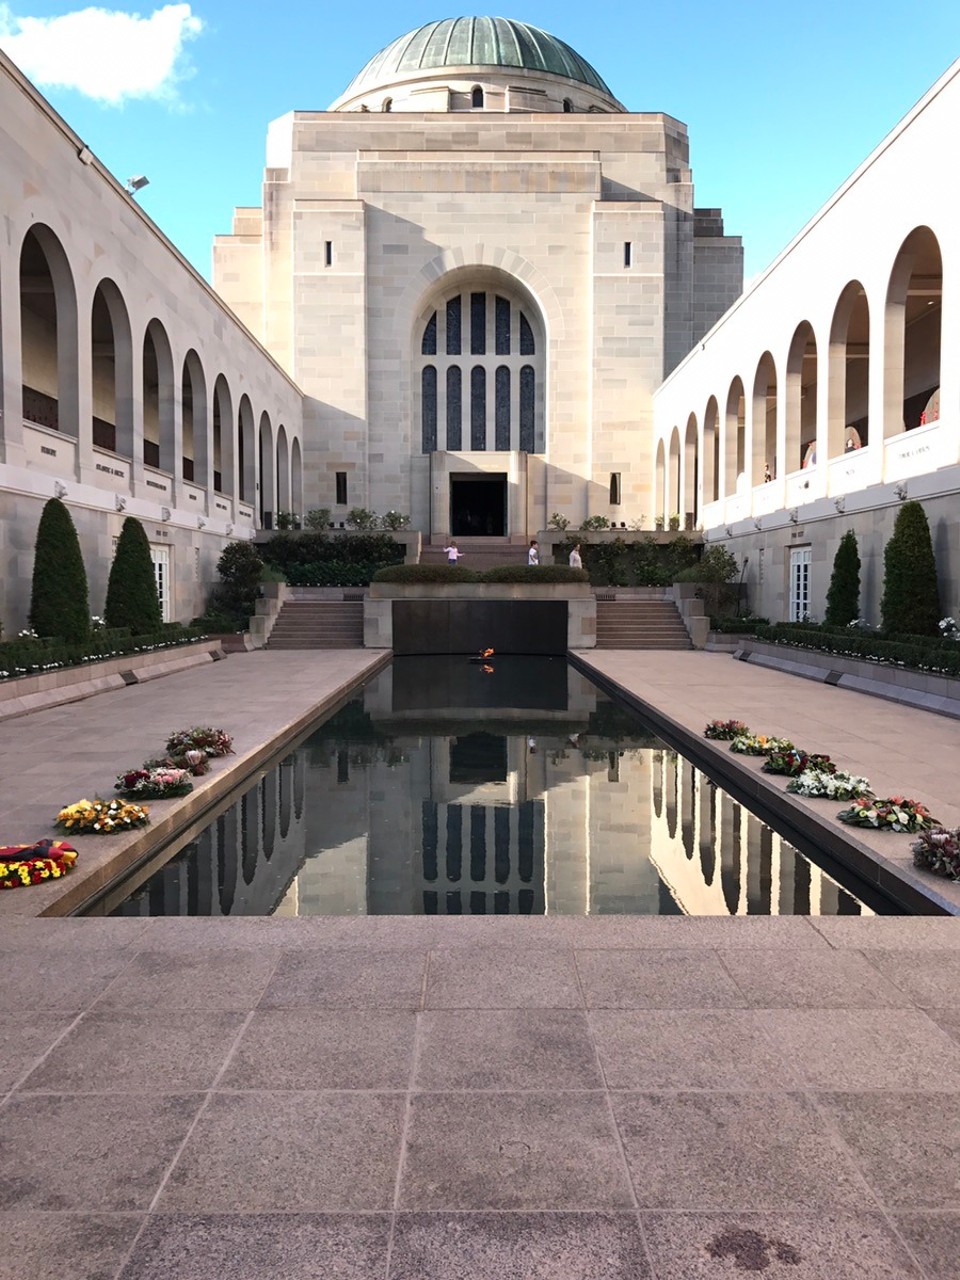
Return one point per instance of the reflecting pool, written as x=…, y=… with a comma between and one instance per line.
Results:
x=446, y=788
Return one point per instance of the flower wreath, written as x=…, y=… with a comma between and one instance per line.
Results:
x=26, y=864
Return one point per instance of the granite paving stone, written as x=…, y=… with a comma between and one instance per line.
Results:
x=476, y=1049
x=518, y=977
x=136, y=1052
x=791, y=1246
x=893, y=933
x=288, y=1246
x=65, y=1246
x=726, y=1151
x=24, y=1038
x=54, y=982
x=328, y=978
x=932, y=982
x=906, y=1144
x=947, y=1020
x=812, y=979
x=656, y=980
x=323, y=1049
x=700, y=1049
x=296, y=1152
x=866, y=1048
x=219, y=979
x=52, y=1142
x=528, y=1246
x=934, y=1240
x=512, y=1151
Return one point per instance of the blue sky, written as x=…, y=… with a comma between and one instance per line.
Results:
x=782, y=101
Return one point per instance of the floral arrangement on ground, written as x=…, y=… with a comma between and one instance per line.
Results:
x=837, y=785
x=156, y=782
x=101, y=817
x=726, y=730
x=895, y=813
x=212, y=742
x=22, y=865
x=758, y=744
x=794, y=762
x=938, y=850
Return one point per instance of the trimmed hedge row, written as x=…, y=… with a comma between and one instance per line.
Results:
x=315, y=560
x=452, y=574
x=921, y=654
x=28, y=657
x=738, y=626
x=644, y=563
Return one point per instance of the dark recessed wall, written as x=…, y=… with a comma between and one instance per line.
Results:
x=466, y=626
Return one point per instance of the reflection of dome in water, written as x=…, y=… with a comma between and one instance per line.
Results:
x=474, y=42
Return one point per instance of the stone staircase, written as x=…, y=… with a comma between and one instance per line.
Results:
x=478, y=553
x=318, y=624
x=640, y=624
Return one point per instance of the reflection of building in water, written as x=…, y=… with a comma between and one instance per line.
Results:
x=717, y=859
x=243, y=862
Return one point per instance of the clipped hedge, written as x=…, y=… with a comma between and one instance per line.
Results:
x=29, y=657
x=738, y=626
x=919, y=653
x=538, y=574
x=642, y=563
x=426, y=573
x=454, y=574
x=316, y=560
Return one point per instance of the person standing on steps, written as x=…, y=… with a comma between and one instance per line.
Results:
x=533, y=555
x=452, y=552
x=575, y=560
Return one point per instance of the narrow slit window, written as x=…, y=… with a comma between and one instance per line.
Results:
x=615, y=489
x=476, y=97
x=627, y=253
x=341, y=488
x=328, y=253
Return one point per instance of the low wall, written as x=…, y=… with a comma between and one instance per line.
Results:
x=69, y=684
x=423, y=618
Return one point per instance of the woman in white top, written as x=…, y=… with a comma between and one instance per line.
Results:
x=575, y=561
x=453, y=552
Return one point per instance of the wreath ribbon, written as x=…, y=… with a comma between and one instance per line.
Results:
x=26, y=864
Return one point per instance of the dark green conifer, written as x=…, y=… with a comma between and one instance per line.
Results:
x=843, y=597
x=132, y=599
x=911, y=597
x=59, y=604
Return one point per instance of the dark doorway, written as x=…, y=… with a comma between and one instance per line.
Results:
x=478, y=506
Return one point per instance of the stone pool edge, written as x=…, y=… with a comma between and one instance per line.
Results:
x=907, y=887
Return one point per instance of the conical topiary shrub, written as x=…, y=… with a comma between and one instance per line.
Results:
x=843, y=597
x=59, y=604
x=911, y=597
x=132, y=599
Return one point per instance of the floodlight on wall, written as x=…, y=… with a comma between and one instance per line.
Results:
x=85, y=155
x=137, y=183
x=119, y=502
x=901, y=491
x=840, y=504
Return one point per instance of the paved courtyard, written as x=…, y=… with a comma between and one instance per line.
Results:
x=401, y=1098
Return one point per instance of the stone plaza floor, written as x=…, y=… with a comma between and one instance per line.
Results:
x=513, y=1098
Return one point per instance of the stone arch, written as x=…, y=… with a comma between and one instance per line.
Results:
x=689, y=507
x=848, y=389
x=246, y=452
x=673, y=475
x=735, y=437
x=283, y=470
x=267, y=468
x=194, y=444
x=111, y=371
x=660, y=489
x=764, y=420
x=800, y=396
x=710, y=465
x=296, y=476
x=49, y=333
x=158, y=391
x=911, y=338
x=223, y=435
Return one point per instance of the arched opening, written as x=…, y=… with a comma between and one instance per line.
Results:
x=223, y=477
x=912, y=335
x=476, y=96
x=567, y=106
x=246, y=457
x=296, y=476
x=111, y=371
x=158, y=436
x=283, y=471
x=387, y=104
x=735, y=437
x=481, y=375
x=48, y=334
x=268, y=472
x=673, y=478
x=801, y=399
x=660, y=490
x=711, y=451
x=193, y=399
x=764, y=421
x=848, y=420
x=688, y=509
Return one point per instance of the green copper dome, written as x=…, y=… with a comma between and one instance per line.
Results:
x=475, y=42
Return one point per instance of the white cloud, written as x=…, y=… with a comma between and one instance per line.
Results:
x=105, y=54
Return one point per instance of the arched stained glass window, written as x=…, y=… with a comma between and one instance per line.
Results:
x=527, y=344
x=454, y=408
x=528, y=386
x=502, y=408
x=429, y=414
x=428, y=346
x=478, y=408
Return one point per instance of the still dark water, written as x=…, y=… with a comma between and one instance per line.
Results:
x=446, y=789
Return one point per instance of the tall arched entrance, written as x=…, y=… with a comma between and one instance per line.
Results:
x=479, y=382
